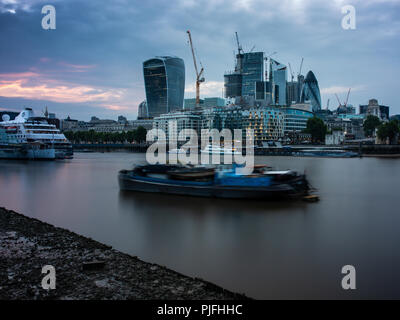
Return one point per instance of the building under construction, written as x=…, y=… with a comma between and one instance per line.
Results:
x=259, y=80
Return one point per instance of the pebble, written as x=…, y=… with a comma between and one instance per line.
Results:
x=27, y=244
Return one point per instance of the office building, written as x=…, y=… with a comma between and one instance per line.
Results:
x=143, y=112
x=263, y=92
x=267, y=121
x=214, y=102
x=278, y=78
x=374, y=108
x=164, y=79
x=233, y=85
x=253, y=71
x=292, y=93
x=296, y=119
x=190, y=104
x=249, y=69
x=310, y=91
x=352, y=128
x=174, y=122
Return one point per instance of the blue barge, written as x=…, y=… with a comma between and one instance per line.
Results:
x=204, y=182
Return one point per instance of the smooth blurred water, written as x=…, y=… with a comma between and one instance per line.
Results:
x=263, y=249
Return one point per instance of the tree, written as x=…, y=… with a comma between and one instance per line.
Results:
x=370, y=124
x=140, y=135
x=69, y=135
x=388, y=130
x=130, y=136
x=317, y=128
x=92, y=136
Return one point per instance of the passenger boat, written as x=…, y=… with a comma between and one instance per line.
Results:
x=28, y=151
x=26, y=128
x=215, y=149
x=327, y=152
x=213, y=183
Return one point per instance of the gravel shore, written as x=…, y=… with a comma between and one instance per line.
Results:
x=85, y=269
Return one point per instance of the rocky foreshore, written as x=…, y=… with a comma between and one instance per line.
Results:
x=85, y=269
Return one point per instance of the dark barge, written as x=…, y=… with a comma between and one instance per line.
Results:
x=208, y=182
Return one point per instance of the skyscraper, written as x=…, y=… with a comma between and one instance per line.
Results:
x=253, y=71
x=278, y=77
x=164, y=79
x=233, y=85
x=143, y=112
x=310, y=91
x=292, y=92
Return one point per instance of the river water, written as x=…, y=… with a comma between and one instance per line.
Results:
x=263, y=249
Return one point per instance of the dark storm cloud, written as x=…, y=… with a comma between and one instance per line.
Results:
x=100, y=45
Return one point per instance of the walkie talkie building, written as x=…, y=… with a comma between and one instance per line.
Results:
x=164, y=80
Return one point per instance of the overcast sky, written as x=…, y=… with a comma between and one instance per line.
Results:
x=91, y=64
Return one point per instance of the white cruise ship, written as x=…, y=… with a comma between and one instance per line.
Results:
x=26, y=128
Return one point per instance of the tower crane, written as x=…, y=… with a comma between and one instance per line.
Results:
x=240, y=50
x=347, y=98
x=301, y=65
x=346, y=101
x=199, y=78
x=340, y=104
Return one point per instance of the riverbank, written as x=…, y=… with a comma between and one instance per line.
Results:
x=375, y=150
x=85, y=269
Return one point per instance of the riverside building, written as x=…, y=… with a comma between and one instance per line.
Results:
x=374, y=108
x=268, y=123
x=296, y=119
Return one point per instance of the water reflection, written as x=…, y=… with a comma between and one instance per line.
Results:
x=264, y=249
x=180, y=204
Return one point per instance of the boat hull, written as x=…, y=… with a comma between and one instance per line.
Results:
x=23, y=153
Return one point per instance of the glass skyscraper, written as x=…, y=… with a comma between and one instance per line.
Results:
x=278, y=77
x=143, y=112
x=310, y=92
x=164, y=80
x=252, y=71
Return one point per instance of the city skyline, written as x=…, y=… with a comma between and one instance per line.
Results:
x=92, y=63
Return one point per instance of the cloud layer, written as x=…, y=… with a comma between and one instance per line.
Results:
x=94, y=57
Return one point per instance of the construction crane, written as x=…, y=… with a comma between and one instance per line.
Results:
x=199, y=78
x=346, y=101
x=301, y=65
x=291, y=72
x=347, y=98
x=252, y=49
x=240, y=50
x=340, y=104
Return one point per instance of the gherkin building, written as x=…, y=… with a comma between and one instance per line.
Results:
x=310, y=92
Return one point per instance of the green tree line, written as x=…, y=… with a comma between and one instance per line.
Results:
x=386, y=130
x=91, y=136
